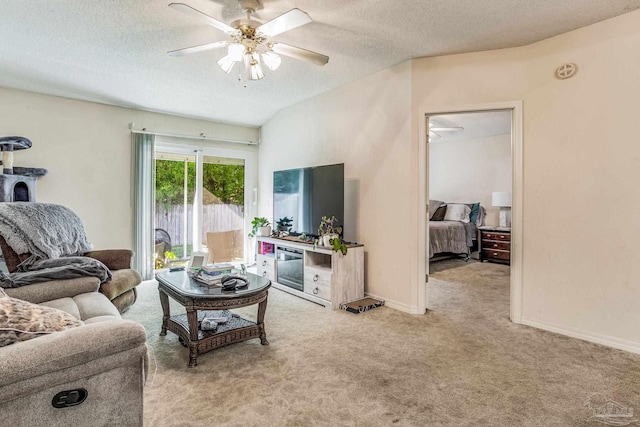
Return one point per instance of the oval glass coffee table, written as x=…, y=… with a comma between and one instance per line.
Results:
x=202, y=301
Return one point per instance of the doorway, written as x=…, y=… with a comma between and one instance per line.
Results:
x=472, y=162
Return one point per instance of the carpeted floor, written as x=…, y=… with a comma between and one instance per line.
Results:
x=449, y=263
x=462, y=364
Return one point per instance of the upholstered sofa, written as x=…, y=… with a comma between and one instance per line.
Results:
x=105, y=357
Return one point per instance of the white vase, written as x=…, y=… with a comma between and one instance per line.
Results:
x=264, y=231
x=326, y=238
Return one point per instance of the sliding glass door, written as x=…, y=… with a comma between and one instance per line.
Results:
x=201, y=203
x=174, y=203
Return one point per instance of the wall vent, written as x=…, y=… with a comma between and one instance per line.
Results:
x=566, y=71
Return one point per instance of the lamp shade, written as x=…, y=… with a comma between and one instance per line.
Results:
x=501, y=199
x=226, y=64
x=271, y=60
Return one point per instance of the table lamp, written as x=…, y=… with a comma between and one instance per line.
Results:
x=502, y=199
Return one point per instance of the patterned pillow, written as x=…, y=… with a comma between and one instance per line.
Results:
x=21, y=320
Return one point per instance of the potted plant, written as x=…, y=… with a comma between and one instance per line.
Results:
x=327, y=231
x=329, y=234
x=169, y=257
x=164, y=262
x=284, y=224
x=260, y=226
x=338, y=245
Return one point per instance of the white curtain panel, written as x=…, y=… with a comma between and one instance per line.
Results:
x=143, y=148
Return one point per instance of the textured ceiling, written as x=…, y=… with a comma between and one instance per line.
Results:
x=114, y=51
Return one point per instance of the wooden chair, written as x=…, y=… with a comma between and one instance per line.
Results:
x=225, y=246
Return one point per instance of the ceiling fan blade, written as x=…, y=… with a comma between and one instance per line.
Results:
x=447, y=129
x=299, y=53
x=287, y=21
x=194, y=49
x=203, y=17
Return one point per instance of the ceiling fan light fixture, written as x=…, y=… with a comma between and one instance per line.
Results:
x=226, y=64
x=255, y=72
x=271, y=60
x=251, y=40
x=252, y=66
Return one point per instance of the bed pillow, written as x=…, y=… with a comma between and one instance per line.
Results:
x=481, y=214
x=439, y=214
x=433, y=207
x=21, y=320
x=475, y=211
x=457, y=212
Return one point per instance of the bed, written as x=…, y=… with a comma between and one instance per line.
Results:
x=456, y=234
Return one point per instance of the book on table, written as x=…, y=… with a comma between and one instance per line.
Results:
x=217, y=269
x=208, y=279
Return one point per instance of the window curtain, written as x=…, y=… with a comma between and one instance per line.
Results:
x=143, y=148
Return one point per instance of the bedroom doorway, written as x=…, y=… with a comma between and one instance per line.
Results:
x=472, y=174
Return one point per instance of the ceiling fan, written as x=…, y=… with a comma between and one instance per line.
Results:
x=433, y=130
x=251, y=40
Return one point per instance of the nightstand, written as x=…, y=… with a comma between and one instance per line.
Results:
x=495, y=244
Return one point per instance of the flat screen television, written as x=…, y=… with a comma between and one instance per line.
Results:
x=306, y=195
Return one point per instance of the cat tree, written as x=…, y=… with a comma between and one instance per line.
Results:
x=17, y=184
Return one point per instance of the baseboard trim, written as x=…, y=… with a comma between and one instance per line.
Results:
x=411, y=309
x=630, y=346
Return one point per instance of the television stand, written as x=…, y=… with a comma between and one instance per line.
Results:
x=326, y=277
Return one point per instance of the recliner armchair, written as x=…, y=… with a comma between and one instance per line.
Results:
x=121, y=289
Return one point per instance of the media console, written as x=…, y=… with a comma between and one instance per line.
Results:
x=317, y=274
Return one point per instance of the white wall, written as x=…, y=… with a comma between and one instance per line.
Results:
x=581, y=166
x=366, y=126
x=87, y=149
x=581, y=169
x=469, y=170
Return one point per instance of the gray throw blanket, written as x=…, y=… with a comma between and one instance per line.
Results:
x=42, y=229
x=57, y=269
x=55, y=238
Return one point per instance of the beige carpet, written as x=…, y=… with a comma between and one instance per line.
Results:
x=462, y=364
